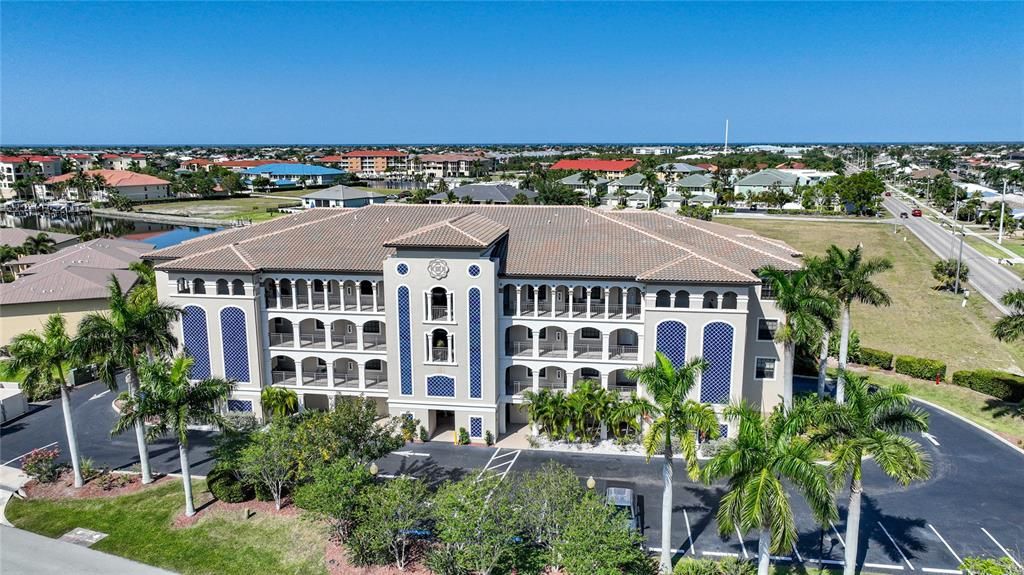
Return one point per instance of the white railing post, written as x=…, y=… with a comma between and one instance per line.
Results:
x=374, y=289
x=586, y=313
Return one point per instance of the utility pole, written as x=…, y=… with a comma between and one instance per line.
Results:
x=959, y=259
x=956, y=209
x=1002, y=212
x=727, y=136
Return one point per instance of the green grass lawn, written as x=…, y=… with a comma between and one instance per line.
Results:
x=139, y=528
x=921, y=321
x=224, y=209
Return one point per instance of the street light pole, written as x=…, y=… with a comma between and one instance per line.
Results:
x=1002, y=211
x=956, y=210
x=959, y=259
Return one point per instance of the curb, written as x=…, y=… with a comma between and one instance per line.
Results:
x=972, y=423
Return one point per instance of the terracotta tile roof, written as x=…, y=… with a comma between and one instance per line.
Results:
x=470, y=230
x=116, y=178
x=20, y=159
x=330, y=159
x=542, y=241
x=99, y=253
x=594, y=165
x=197, y=162
x=374, y=154
x=17, y=236
x=65, y=284
x=449, y=158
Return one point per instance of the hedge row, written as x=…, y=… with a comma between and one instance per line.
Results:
x=919, y=367
x=874, y=357
x=1000, y=384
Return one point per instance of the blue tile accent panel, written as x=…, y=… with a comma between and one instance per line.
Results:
x=236, y=348
x=671, y=341
x=475, y=351
x=402, y=269
x=723, y=431
x=238, y=405
x=197, y=345
x=476, y=427
x=440, y=386
x=404, y=340
x=716, y=380
x=474, y=270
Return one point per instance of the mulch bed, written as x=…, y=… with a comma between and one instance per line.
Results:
x=64, y=487
x=336, y=558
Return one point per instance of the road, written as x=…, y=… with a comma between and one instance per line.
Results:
x=989, y=278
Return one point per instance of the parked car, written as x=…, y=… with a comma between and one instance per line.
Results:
x=904, y=215
x=624, y=499
x=888, y=194
x=916, y=213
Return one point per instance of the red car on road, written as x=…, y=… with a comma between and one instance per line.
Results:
x=916, y=213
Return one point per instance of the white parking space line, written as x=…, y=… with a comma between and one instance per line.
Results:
x=1012, y=558
x=941, y=538
x=936, y=570
x=886, y=531
x=719, y=553
x=884, y=566
x=500, y=463
x=826, y=561
x=841, y=542
x=24, y=454
x=742, y=545
x=689, y=534
x=797, y=553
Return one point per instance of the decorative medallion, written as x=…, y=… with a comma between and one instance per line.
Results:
x=438, y=269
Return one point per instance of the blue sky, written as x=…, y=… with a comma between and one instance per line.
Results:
x=306, y=73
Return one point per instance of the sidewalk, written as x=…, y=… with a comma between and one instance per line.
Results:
x=11, y=480
x=22, y=552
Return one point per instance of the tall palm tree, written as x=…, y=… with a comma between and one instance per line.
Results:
x=818, y=267
x=677, y=422
x=278, y=401
x=170, y=402
x=119, y=338
x=40, y=243
x=848, y=277
x=767, y=452
x=630, y=413
x=588, y=179
x=871, y=423
x=1011, y=327
x=42, y=358
x=809, y=314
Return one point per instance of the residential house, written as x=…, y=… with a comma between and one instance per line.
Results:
x=653, y=150
x=287, y=174
x=587, y=189
x=486, y=193
x=131, y=185
x=123, y=161
x=675, y=170
x=759, y=182
x=631, y=188
x=340, y=196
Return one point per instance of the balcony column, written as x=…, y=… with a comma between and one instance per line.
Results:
x=362, y=375
x=359, y=337
x=327, y=301
x=536, y=343
x=587, y=313
x=451, y=348
x=536, y=301
x=608, y=379
x=295, y=335
x=570, y=344
x=607, y=298
x=295, y=296
x=568, y=300
x=331, y=401
x=625, y=298
x=298, y=376
x=328, y=339
x=374, y=288
x=519, y=300
x=536, y=381
x=309, y=294
x=330, y=376
x=604, y=345
x=451, y=306
x=277, y=292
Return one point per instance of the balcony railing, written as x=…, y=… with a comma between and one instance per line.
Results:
x=283, y=377
x=318, y=378
x=312, y=339
x=623, y=352
x=588, y=350
x=623, y=389
x=344, y=341
x=440, y=354
x=346, y=380
x=282, y=339
x=375, y=342
x=518, y=386
x=439, y=313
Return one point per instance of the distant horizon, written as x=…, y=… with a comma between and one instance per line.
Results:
x=524, y=144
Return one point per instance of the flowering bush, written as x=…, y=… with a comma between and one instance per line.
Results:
x=41, y=465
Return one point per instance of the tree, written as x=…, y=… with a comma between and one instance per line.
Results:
x=279, y=402
x=768, y=453
x=331, y=495
x=349, y=430
x=554, y=193
x=40, y=243
x=144, y=290
x=775, y=195
x=520, y=199
x=231, y=183
x=945, y=272
x=41, y=358
x=862, y=192
x=944, y=161
x=261, y=183
x=419, y=196
x=477, y=521
x=120, y=338
x=588, y=179
x=1011, y=327
x=809, y=311
x=546, y=499
x=871, y=423
x=677, y=421
x=597, y=540
x=389, y=516
x=169, y=402
x=848, y=277
x=269, y=460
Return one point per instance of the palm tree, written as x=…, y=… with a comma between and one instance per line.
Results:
x=278, y=401
x=118, y=339
x=630, y=413
x=809, y=314
x=1011, y=327
x=144, y=290
x=871, y=423
x=677, y=421
x=40, y=243
x=170, y=402
x=42, y=358
x=820, y=271
x=588, y=178
x=767, y=452
x=848, y=278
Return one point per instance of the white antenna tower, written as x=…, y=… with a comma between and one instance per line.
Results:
x=727, y=135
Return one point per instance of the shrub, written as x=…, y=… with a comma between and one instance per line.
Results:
x=727, y=566
x=489, y=438
x=409, y=428
x=919, y=367
x=389, y=520
x=424, y=436
x=988, y=566
x=110, y=481
x=875, y=358
x=852, y=347
x=332, y=493
x=223, y=483
x=89, y=469
x=1000, y=384
x=41, y=465
x=463, y=437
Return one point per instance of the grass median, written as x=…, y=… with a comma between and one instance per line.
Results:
x=222, y=209
x=139, y=527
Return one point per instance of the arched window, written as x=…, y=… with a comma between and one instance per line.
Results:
x=729, y=300
x=237, y=287
x=183, y=285
x=198, y=286
x=662, y=299
x=440, y=350
x=222, y=287
x=439, y=308
x=682, y=298
x=710, y=300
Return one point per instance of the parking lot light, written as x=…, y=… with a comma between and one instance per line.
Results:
x=374, y=470
x=591, y=484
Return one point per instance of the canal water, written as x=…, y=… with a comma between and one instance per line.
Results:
x=160, y=235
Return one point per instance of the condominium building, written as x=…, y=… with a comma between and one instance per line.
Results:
x=14, y=168
x=450, y=312
x=611, y=169
x=123, y=161
x=370, y=163
x=451, y=165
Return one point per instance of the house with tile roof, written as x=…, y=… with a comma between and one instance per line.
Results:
x=486, y=193
x=289, y=174
x=449, y=313
x=132, y=185
x=451, y=165
x=611, y=169
x=588, y=189
x=761, y=181
x=341, y=196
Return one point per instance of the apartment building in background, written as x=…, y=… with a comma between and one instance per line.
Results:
x=451, y=165
x=610, y=169
x=14, y=168
x=370, y=163
x=123, y=161
x=450, y=313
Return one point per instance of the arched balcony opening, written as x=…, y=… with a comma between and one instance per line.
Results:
x=620, y=382
x=597, y=300
x=517, y=380
x=710, y=300
x=616, y=302
x=237, y=287
x=314, y=371
x=578, y=302
x=518, y=341
x=198, y=286
x=319, y=292
x=270, y=293
x=682, y=299
x=623, y=345
x=439, y=346
x=729, y=300
x=560, y=301
x=376, y=375
x=663, y=299
x=366, y=295
x=287, y=293
x=333, y=294
x=529, y=299
x=508, y=299
x=282, y=370
x=184, y=286
x=551, y=341
x=344, y=335
x=281, y=332
x=346, y=373
x=586, y=374
x=374, y=336
x=587, y=343
x=439, y=305
x=312, y=334
x=222, y=287
x=302, y=294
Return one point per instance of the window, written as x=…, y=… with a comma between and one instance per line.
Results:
x=682, y=298
x=767, y=289
x=590, y=333
x=222, y=287
x=662, y=299
x=237, y=287
x=710, y=300
x=765, y=368
x=729, y=300
x=198, y=286
x=183, y=285
x=766, y=329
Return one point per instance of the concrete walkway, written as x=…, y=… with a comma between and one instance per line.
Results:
x=22, y=552
x=11, y=480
